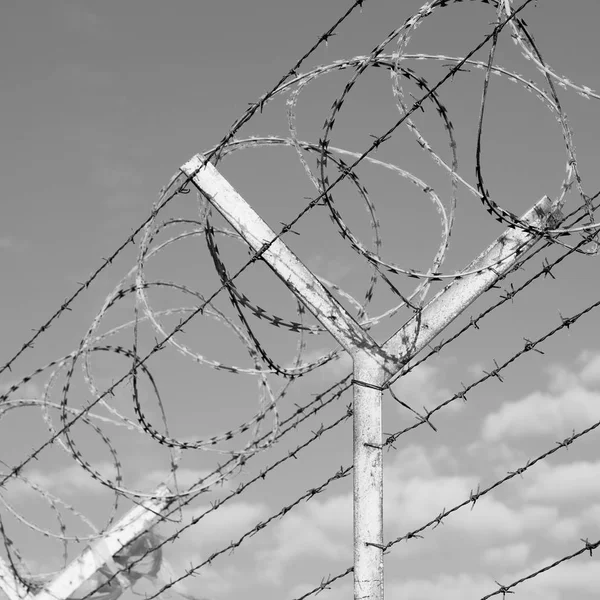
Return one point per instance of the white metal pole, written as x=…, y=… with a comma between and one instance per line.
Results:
x=373, y=364
x=371, y=368
x=368, y=478
x=10, y=585
x=131, y=526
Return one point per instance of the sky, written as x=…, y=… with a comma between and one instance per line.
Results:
x=102, y=102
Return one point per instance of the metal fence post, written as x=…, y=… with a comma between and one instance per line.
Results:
x=368, y=477
x=10, y=584
x=96, y=555
x=374, y=365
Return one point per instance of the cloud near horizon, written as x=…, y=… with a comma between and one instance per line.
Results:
x=570, y=402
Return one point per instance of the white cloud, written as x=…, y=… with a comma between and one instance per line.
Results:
x=411, y=461
x=563, y=483
x=410, y=503
x=318, y=530
x=340, y=590
x=208, y=582
x=415, y=494
x=507, y=555
x=492, y=519
x=574, y=576
x=590, y=373
x=219, y=527
x=541, y=413
x=591, y=516
x=567, y=404
x=323, y=528
x=476, y=369
x=303, y=588
x=559, y=583
x=457, y=587
x=500, y=453
x=561, y=379
x=299, y=536
x=569, y=578
x=445, y=457
x=566, y=530
x=503, y=536
x=420, y=387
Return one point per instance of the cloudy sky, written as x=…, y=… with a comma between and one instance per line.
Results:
x=101, y=104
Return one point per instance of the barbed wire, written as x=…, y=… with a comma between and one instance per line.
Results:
x=345, y=471
x=471, y=500
x=150, y=233
x=506, y=589
x=248, y=114
x=264, y=366
x=473, y=323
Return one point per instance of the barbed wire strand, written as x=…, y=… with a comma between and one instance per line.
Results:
x=263, y=364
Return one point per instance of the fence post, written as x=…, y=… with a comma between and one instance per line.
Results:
x=368, y=477
x=10, y=584
x=98, y=553
x=374, y=365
